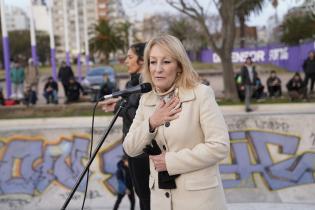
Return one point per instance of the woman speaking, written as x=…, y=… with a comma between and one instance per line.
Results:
x=180, y=125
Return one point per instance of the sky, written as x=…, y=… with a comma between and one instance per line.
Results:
x=137, y=11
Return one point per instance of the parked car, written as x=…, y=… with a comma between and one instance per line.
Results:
x=94, y=79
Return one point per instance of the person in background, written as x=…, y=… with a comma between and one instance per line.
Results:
x=30, y=96
x=51, y=91
x=17, y=76
x=2, y=100
x=31, y=76
x=74, y=89
x=205, y=81
x=274, y=85
x=31, y=83
x=64, y=75
x=179, y=121
x=249, y=77
x=239, y=86
x=139, y=165
x=107, y=86
x=295, y=86
x=124, y=184
x=258, y=90
x=309, y=70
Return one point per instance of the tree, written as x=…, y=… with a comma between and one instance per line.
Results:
x=243, y=12
x=227, y=10
x=122, y=30
x=179, y=27
x=193, y=41
x=298, y=28
x=20, y=45
x=106, y=40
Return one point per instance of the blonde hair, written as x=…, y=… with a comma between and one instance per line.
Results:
x=188, y=77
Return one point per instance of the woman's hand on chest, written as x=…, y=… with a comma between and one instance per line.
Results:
x=165, y=112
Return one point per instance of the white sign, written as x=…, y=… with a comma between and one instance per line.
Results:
x=275, y=54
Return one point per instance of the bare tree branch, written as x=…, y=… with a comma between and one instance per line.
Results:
x=223, y=47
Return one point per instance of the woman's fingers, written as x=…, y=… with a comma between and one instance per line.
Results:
x=172, y=103
x=173, y=117
x=175, y=111
x=161, y=104
x=159, y=162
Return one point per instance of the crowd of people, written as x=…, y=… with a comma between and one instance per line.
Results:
x=249, y=85
x=25, y=85
x=25, y=81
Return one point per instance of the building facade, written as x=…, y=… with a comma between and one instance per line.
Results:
x=96, y=10
x=16, y=19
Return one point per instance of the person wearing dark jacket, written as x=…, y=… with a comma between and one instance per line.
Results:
x=249, y=77
x=139, y=166
x=124, y=184
x=51, y=91
x=74, y=90
x=107, y=87
x=274, y=85
x=309, y=70
x=1, y=97
x=64, y=75
x=296, y=88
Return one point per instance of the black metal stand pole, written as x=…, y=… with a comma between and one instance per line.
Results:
x=122, y=104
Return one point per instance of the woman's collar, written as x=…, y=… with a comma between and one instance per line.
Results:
x=151, y=99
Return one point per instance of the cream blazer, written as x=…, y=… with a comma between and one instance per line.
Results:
x=194, y=144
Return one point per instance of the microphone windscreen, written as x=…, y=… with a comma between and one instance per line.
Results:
x=146, y=87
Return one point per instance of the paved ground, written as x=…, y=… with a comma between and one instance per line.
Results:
x=245, y=206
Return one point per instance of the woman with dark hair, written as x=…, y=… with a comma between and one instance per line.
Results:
x=139, y=165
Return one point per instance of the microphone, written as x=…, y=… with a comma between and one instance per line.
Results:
x=142, y=88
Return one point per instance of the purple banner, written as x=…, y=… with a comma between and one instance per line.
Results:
x=287, y=57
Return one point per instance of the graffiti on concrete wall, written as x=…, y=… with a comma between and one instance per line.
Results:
x=251, y=153
x=28, y=165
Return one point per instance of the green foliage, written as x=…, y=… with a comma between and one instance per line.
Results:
x=298, y=28
x=106, y=40
x=122, y=31
x=20, y=45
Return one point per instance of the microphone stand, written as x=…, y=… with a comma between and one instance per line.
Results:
x=121, y=106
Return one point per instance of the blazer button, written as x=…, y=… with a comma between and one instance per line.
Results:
x=167, y=124
x=167, y=194
x=164, y=147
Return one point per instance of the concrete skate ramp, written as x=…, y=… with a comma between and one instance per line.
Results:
x=272, y=160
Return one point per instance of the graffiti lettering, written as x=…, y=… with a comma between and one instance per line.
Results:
x=272, y=125
x=30, y=166
x=60, y=162
x=294, y=171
